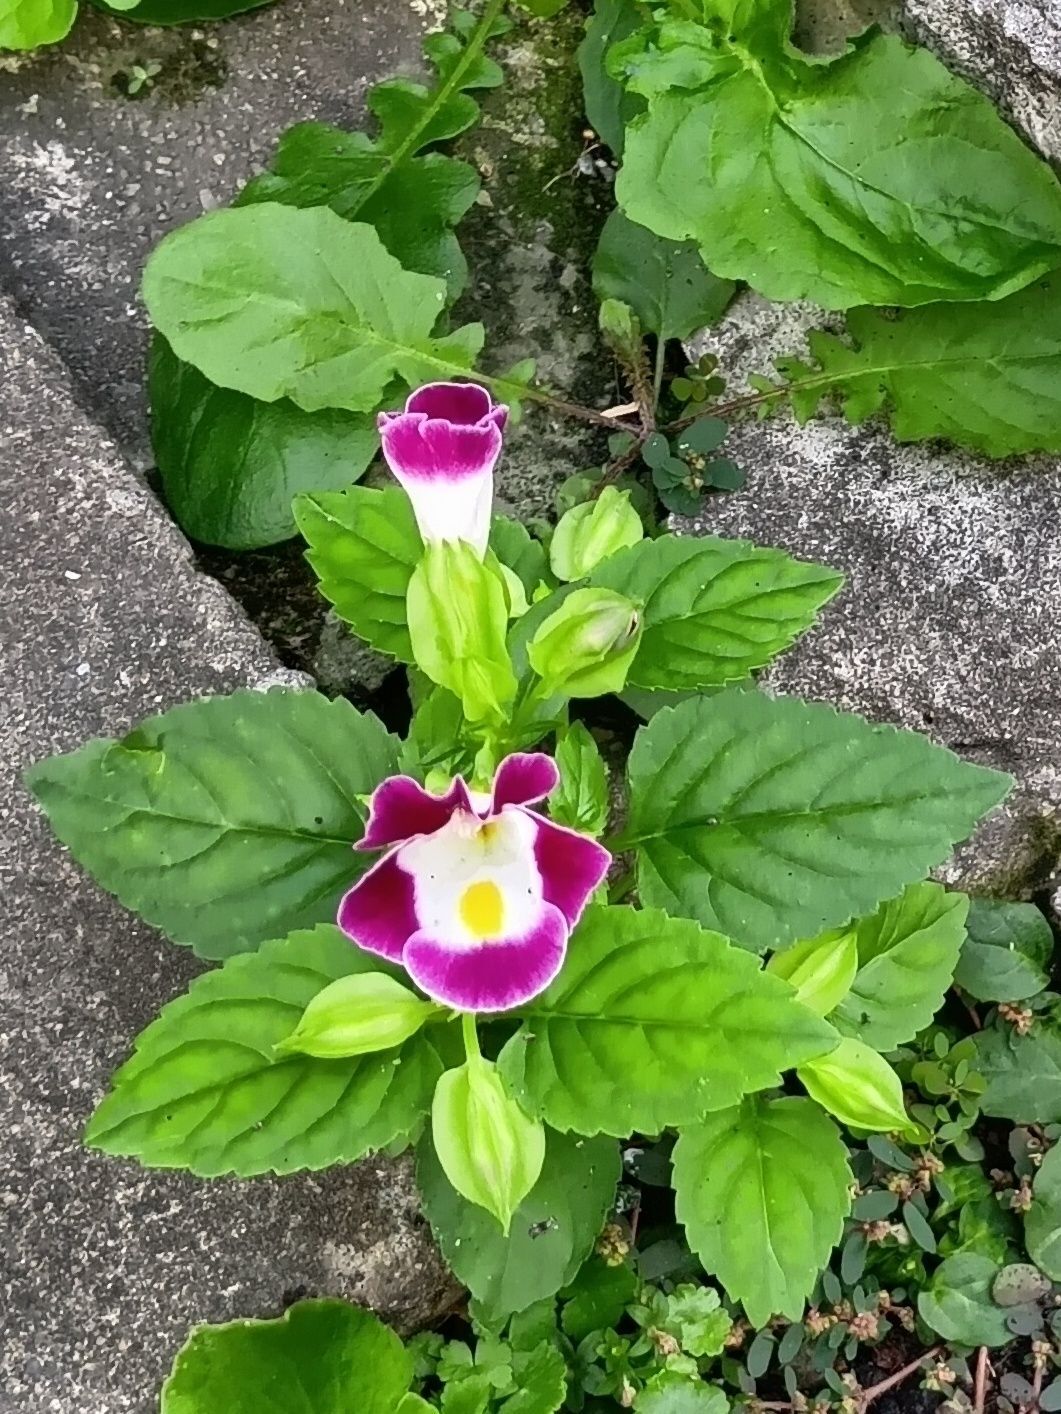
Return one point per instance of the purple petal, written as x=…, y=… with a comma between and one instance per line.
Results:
x=524, y=778
x=379, y=912
x=401, y=808
x=571, y=866
x=420, y=449
x=494, y=976
x=467, y=403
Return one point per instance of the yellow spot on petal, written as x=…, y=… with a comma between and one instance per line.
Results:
x=482, y=909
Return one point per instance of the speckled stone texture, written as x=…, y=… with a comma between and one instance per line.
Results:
x=103, y=1266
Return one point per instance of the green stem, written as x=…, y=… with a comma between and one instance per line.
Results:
x=414, y=137
x=657, y=377
x=471, y=1037
x=622, y=886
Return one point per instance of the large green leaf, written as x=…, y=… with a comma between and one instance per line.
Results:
x=278, y=302
x=609, y=106
x=227, y=821
x=906, y=958
x=205, y=1091
x=774, y=819
x=663, y=281
x=877, y=177
x=364, y=546
x=1023, y=1073
x=984, y=376
x=692, y=1017
x=320, y=1357
x=27, y=24
x=714, y=609
x=1006, y=955
x=231, y=465
x=762, y=1190
x=1042, y=1221
x=553, y=1230
x=957, y=1302
x=412, y=198
x=414, y=203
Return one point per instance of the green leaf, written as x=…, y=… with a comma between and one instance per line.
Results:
x=517, y=549
x=178, y=12
x=682, y=1396
x=278, y=302
x=609, y=107
x=541, y=1375
x=414, y=203
x=805, y=201
x=205, y=1091
x=1023, y=1073
x=580, y=801
x=1006, y=955
x=957, y=1302
x=663, y=281
x=226, y=821
x=231, y=465
x=363, y=547
x=1042, y=1221
x=552, y=1231
x=322, y=1356
x=27, y=24
x=597, y=1298
x=694, y=1019
x=490, y=1149
x=762, y=1191
x=773, y=819
x=696, y=1316
x=714, y=610
x=984, y=376
x=906, y=958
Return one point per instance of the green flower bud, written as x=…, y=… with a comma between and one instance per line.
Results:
x=458, y=609
x=358, y=1015
x=586, y=647
x=821, y=969
x=858, y=1086
x=592, y=531
x=490, y=1149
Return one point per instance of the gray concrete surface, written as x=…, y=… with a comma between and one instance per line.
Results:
x=103, y=1267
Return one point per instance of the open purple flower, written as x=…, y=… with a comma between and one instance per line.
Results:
x=443, y=449
x=477, y=895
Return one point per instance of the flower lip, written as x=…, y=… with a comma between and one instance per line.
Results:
x=460, y=404
x=478, y=901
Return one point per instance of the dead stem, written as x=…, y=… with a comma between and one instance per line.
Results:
x=980, y=1388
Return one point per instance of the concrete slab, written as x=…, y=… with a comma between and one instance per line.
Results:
x=103, y=1266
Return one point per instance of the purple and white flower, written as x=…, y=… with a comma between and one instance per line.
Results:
x=477, y=894
x=443, y=449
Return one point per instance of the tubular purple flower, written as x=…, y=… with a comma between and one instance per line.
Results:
x=476, y=895
x=443, y=449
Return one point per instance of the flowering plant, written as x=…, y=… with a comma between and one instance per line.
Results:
x=419, y=946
